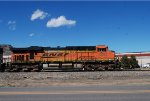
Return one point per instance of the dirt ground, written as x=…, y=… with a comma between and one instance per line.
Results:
x=45, y=79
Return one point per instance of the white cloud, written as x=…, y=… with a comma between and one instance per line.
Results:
x=12, y=25
x=11, y=22
x=32, y=34
x=38, y=14
x=60, y=21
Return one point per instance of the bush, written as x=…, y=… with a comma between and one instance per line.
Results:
x=129, y=63
x=133, y=63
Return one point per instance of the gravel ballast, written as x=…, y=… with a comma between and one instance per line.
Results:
x=42, y=79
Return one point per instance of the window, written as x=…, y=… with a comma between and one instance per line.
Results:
x=102, y=49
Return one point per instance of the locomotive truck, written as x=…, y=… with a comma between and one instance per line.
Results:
x=36, y=58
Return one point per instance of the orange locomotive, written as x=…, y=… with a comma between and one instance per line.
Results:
x=87, y=57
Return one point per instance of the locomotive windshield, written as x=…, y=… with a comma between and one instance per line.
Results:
x=102, y=49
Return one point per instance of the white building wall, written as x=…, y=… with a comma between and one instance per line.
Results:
x=6, y=58
x=143, y=60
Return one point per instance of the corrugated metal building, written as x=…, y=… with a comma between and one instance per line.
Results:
x=142, y=57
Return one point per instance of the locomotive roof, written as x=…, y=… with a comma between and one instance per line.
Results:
x=81, y=47
x=37, y=48
x=32, y=48
x=71, y=48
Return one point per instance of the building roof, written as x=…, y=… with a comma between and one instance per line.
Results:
x=134, y=54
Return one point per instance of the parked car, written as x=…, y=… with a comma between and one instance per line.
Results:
x=146, y=65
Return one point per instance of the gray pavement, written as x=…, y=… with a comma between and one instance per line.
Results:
x=77, y=93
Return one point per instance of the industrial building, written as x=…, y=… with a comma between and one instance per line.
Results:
x=6, y=52
x=143, y=58
x=6, y=58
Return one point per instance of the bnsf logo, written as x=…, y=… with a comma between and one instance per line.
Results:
x=54, y=54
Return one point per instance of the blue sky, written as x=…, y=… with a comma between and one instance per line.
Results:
x=123, y=26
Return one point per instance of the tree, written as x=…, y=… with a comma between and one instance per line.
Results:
x=125, y=63
x=129, y=63
x=133, y=63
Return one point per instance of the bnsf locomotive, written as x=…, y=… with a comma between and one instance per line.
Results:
x=61, y=58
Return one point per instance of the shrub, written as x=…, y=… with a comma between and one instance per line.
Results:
x=129, y=63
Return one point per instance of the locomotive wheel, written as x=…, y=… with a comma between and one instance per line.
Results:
x=89, y=67
x=25, y=69
x=101, y=68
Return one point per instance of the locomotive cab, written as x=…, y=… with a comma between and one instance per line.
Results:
x=104, y=53
x=101, y=48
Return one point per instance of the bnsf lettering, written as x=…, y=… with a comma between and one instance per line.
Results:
x=61, y=54
x=45, y=55
x=54, y=54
